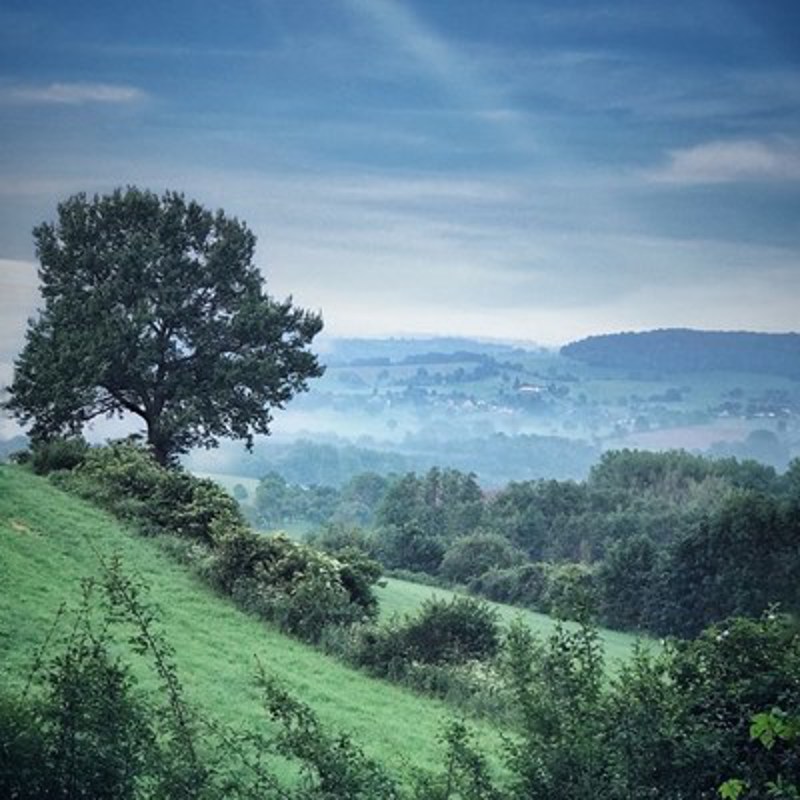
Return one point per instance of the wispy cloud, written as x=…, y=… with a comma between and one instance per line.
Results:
x=730, y=162
x=73, y=94
x=455, y=68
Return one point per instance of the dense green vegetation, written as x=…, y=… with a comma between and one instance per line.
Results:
x=660, y=542
x=573, y=733
x=400, y=597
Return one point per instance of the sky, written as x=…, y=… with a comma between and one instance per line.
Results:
x=509, y=169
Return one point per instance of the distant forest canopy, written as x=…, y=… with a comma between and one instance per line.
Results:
x=341, y=352
x=660, y=542
x=331, y=461
x=684, y=350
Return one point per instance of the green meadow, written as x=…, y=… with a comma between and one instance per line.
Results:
x=403, y=597
x=49, y=541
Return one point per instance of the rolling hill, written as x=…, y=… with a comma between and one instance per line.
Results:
x=49, y=541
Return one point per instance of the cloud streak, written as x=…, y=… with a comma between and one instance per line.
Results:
x=73, y=94
x=743, y=160
x=453, y=67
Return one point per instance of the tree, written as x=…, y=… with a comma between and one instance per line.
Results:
x=471, y=556
x=153, y=306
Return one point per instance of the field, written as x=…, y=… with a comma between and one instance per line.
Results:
x=402, y=597
x=46, y=548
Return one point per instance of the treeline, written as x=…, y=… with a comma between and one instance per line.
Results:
x=353, y=352
x=661, y=542
x=684, y=350
x=495, y=458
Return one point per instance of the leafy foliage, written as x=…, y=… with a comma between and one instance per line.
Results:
x=153, y=307
x=124, y=478
x=301, y=589
x=471, y=556
x=89, y=731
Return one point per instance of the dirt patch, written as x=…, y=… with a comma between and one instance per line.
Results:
x=20, y=527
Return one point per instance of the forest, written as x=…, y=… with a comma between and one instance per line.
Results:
x=666, y=543
x=676, y=350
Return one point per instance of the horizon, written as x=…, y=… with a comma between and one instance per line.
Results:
x=420, y=169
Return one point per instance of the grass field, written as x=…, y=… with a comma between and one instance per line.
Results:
x=402, y=597
x=46, y=548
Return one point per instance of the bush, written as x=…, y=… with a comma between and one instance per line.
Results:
x=473, y=555
x=525, y=585
x=461, y=629
x=571, y=592
x=56, y=454
x=85, y=735
x=443, y=632
x=299, y=588
x=126, y=479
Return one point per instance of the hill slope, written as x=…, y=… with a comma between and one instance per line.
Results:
x=684, y=350
x=403, y=597
x=46, y=540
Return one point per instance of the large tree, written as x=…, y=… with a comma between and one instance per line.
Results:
x=153, y=307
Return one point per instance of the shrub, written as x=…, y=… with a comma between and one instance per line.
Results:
x=442, y=632
x=473, y=555
x=299, y=588
x=458, y=630
x=56, y=454
x=524, y=585
x=570, y=591
x=85, y=734
x=126, y=479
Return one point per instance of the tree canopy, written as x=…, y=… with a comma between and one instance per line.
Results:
x=153, y=306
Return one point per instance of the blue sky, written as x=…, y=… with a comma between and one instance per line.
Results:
x=501, y=168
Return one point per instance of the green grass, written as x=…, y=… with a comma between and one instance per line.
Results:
x=403, y=597
x=46, y=548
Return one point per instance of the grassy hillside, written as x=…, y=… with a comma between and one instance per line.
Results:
x=45, y=550
x=401, y=597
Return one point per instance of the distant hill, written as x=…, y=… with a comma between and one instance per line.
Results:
x=363, y=352
x=9, y=446
x=684, y=350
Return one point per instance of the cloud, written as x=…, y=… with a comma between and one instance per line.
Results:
x=457, y=69
x=19, y=297
x=73, y=94
x=731, y=161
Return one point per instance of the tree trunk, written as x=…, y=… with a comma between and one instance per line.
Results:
x=159, y=444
